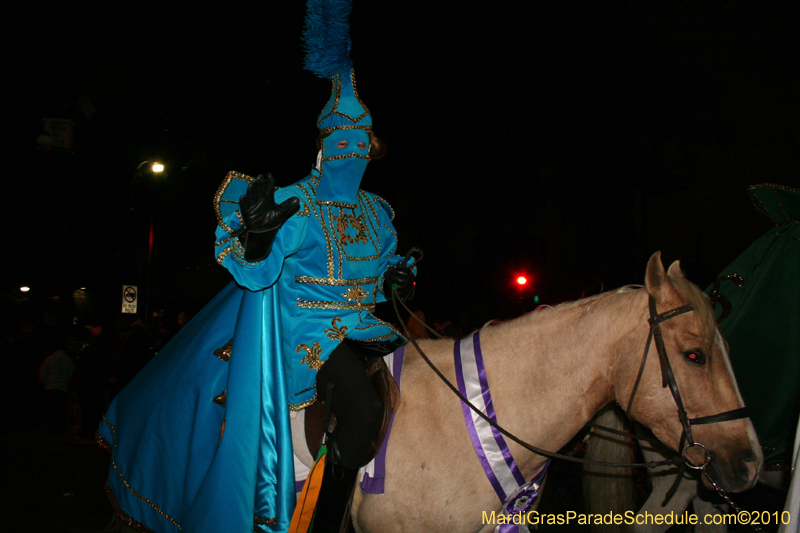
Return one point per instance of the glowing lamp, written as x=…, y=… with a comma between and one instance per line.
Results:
x=158, y=167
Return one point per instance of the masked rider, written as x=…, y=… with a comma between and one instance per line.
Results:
x=329, y=248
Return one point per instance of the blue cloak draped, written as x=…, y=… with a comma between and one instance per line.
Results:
x=183, y=462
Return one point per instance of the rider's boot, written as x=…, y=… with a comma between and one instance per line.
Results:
x=333, y=505
x=348, y=392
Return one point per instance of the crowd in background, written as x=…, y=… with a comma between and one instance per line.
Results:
x=62, y=378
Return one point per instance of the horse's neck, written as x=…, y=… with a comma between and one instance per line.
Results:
x=551, y=371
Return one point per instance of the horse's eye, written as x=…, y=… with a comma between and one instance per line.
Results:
x=697, y=357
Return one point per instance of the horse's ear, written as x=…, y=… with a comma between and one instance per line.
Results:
x=656, y=279
x=674, y=270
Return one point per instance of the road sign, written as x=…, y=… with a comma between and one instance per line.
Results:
x=130, y=297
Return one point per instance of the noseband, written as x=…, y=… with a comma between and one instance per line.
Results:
x=668, y=380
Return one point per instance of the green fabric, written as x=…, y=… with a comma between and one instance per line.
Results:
x=763, y=328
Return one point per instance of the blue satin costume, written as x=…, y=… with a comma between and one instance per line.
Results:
x=200, y=439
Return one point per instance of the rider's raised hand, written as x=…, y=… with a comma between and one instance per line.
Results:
x=262, y=217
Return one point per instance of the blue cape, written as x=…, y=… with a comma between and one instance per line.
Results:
x=171, y=470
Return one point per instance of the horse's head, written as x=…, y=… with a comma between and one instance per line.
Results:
x=698, y=358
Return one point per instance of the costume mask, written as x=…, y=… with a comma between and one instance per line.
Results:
x=343, y=160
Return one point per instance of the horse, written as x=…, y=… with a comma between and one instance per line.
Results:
x=550, y=372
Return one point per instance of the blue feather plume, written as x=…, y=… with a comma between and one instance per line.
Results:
x=326, y=37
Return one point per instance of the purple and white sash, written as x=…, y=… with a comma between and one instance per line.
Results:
x=517, y=495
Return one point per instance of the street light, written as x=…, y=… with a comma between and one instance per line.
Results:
x=155, y=168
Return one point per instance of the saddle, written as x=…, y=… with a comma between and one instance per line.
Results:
x=389, y=394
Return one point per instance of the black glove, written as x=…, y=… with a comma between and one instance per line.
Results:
x=400, y=278
x=262, y=218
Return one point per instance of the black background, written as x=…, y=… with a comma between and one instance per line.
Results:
x=565, y=140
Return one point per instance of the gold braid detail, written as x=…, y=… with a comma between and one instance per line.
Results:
x=127, y=485
x=122, y=515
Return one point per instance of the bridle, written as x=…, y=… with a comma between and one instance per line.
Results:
x=668, y=380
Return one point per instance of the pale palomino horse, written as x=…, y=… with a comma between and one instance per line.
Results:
x=549, y=373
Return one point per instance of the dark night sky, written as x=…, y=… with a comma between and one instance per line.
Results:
x=570, y=140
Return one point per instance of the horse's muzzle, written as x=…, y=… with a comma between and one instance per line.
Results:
x=734, y=476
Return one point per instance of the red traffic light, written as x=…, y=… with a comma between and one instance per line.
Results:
x=522, y=280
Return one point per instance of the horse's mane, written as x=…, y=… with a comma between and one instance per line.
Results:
x=688, y=290
x=546, y=310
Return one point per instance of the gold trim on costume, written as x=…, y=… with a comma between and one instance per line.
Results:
x=223, y=254
x=355, y=294
x=381, y=338
x=313, y=358
x=337, y=90
x=127, y=485
x=393, y=251
x=302, y=405
x=308, y=304
x=113, y=429
x=224, y=353
x=306, y=211
x=336, y=333
x=381, y=200
x=335, y=282
x=305, y=390
x=335, y=243
x=335, y=128
x=220, y=400
x=380, y=323
x=238, y=253
x=374, y=222
x=366, y=258
x=122, y=515
x=346, y=220
x=355, y=93
x=221, y=190
x=335, y=204
x=103, y=443
x=345, y=156
x=326, y=233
